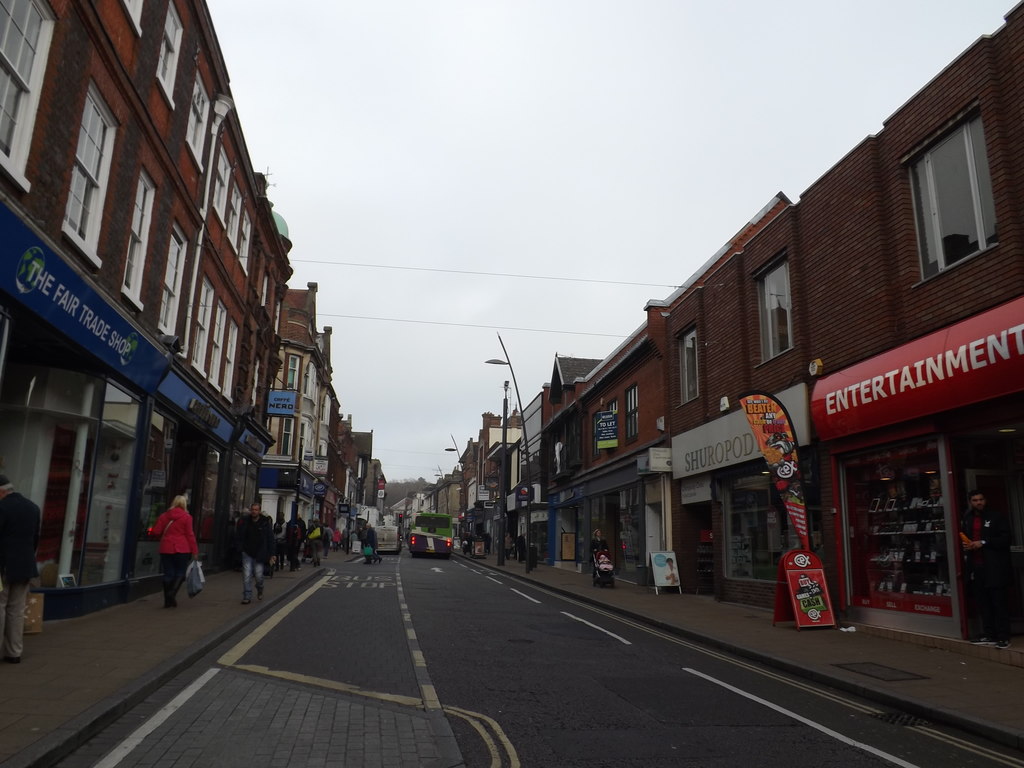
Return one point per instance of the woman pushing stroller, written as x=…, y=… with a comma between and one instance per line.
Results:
x=601, y=561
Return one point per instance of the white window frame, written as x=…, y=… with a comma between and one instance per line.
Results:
x=938, y=181
x=220, y=183
x=170, y=47
x=632, y=429
x=217, y=344
x=234, y=214
x=287, y=435
x=263, y=291
x=689, y=383
x=255, y=381
x=775, y=298
x=172, y=281
x=230, y=350
x=245, y=241
x=20, y=87
x=133, y=8
x=203, y=313
x=84, y=213
x=307, y=380
x=199, y=113
x=138, y=240
x=292, y=372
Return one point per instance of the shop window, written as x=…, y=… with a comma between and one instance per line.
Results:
x=953, y=204
x=899, y=545
x=757, y=528
x=156, y=496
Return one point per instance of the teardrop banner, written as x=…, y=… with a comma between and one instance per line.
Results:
x=774, y=433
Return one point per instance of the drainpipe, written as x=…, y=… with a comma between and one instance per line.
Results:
x=221, y=107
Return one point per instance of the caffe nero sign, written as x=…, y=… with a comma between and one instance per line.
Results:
x=40, y=280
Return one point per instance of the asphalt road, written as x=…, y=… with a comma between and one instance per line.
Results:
x=382, y=665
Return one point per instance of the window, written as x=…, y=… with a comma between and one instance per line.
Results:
x=632, y=412
x=325, y=410
x=307, y=380
x=255, y=382
x=172, y=281
x=231, y=225
x=25, y=30
x=197, y=120
x=953, y=203
x=688, y=366
x=263, y=291
x=229, y=358
x=217, y=343
x=135, y=263
x=89, y=176
x=202, y=325
x=774, y=300
x=167, y=66
x=220, y=184
x=244, y=237
x=134, y=10
x=293, y=372
x=287, y=435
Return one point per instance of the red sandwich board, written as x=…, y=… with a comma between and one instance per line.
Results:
x=801, y=594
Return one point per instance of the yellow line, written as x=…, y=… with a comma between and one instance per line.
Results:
x=430, y=700
x=418, y=659
x=405, y=701
x=967, y=746
x=233, y=655
x=484, y=736
x=513, y=756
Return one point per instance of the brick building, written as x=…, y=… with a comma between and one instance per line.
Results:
x=143, y=266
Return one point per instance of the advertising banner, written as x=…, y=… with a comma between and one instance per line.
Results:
x=773, y=432
x=664, y=570
x=281, y=402
x=606, y=429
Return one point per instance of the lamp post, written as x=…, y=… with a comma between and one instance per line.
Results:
x=526, y=442
x=499, y=539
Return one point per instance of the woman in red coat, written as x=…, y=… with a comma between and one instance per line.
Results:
x=177, y=544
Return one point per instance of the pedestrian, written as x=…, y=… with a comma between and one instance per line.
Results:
x=487, y=542
x=509, y=546
x=19, y=538
x=370, y=540
x=985, y=535
x=295, y=533
x=256, y=537
x=280, y=542
x=314, y=539
x=521, y=547
x=176, y=530
x=328, y=539
x=336, y=539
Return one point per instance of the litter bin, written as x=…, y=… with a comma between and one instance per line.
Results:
x=531, y=561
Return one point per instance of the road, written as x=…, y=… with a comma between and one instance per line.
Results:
x=420, y=662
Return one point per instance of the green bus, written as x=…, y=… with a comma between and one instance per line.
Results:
x=431, y=534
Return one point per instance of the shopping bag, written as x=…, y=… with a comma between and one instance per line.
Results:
x=367, y=550
x=34, y=613
x=314, y=534
x=194, y=578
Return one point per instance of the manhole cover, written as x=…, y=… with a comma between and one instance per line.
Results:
x=879, y=671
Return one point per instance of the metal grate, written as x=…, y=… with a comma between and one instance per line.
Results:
x=880, y=671
x=900, y=718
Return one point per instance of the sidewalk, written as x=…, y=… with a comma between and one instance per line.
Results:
x=78, y=675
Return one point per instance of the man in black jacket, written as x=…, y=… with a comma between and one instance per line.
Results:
x=987, y=569
x=19, y=538
x=256, y=538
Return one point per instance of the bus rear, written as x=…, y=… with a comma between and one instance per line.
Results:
x=431, y=534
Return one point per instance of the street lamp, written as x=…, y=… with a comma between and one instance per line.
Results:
x=526, y=442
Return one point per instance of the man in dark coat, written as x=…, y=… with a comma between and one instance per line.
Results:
x=987, y=568
x=256, y=538
x=19, y=537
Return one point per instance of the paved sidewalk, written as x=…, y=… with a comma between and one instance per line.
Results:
x=80, y=674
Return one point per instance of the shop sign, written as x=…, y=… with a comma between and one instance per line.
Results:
x=977, y=359
x=803, y=578
x=253, y=443
x=177, y=390
x=727, y=440
x=695, y=489
x=39, y=279
x=281, y=402
x=320, y=465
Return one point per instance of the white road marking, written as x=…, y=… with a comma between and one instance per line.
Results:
x=622, y=640
x=491, y=578
x=523, y=594
x=122, y=750
x=816, y=726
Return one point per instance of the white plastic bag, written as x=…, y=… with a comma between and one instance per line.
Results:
x=194, y=578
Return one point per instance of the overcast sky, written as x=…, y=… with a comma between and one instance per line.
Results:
x=602, y=150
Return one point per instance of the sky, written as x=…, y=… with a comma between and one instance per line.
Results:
x=452, y=170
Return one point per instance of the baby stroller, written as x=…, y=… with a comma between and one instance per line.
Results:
x=604, y=570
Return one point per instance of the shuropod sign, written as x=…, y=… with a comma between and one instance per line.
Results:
x=801, y=575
